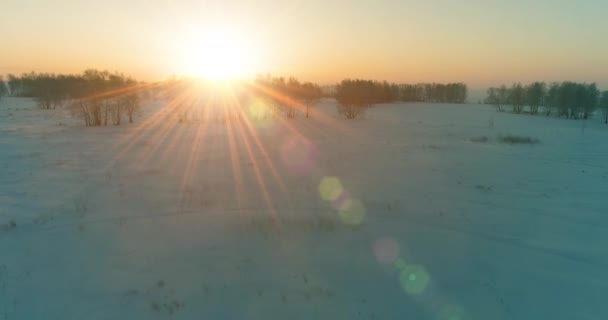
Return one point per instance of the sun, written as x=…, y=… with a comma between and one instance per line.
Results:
x=216, y=53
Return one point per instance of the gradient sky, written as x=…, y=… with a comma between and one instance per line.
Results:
x=478, y=42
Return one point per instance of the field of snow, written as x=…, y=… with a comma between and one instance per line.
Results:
x=417, y=211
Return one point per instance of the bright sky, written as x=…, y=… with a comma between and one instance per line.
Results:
x=475, y=41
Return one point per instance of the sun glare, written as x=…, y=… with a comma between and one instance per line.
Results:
x=216, y=54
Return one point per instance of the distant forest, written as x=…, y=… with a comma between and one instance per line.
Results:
x=285, y=96
x=35, y=85
x=98, y=97
x=566, y=99
x=105, y=97
x=383, y=92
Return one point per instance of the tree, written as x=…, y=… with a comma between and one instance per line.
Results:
x=287, y=97
x=14, y=85
x=517, y=97
x=535, y=94
x=309, y=94
x=604, y=105
x=3, y=88
x=131, y=103
x=566, y=99
x=552, y=98
x=354, y=97
x=497, y=97
x=409, y=93
x=590, y=99
x=46, y=89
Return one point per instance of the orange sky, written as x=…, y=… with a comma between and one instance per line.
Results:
x=478, y=42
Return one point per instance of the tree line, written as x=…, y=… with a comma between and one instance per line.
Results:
x=565, y=99
x=101, y=97
x=287, y=96
x=98, y=97
x=3, y=88
x=355, y=96
x=434, y=92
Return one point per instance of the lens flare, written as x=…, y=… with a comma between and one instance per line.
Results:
x=386, y=250
x=400, y=263
x=299, y=156
x=330, y=188
x=414, y=279
x=354, y=214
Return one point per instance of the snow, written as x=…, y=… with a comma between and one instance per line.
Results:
x=160, y=220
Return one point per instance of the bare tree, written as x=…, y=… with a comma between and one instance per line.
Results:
x=604, y=105
x=552, y=98
x=517, y=97
x=535, y=94
x=354, y=97
x=311, y=94
x=132, y=105
x=3, y=88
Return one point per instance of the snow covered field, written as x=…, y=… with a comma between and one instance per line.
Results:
x=407, y=214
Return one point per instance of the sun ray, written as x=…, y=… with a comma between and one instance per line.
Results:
x=258, y=174
x=193, y=159
x=321, y=117
x=234, y=159
x=156, y=125
x=262, y=149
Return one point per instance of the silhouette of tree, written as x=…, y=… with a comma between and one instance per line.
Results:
x=3, y=88
x=535, y=94
x=552, y=98
x=571, y=100
x=517, y=97
x=354, y=97
x=604, y=105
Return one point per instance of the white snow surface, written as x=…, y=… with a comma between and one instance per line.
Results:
x=160, y=220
